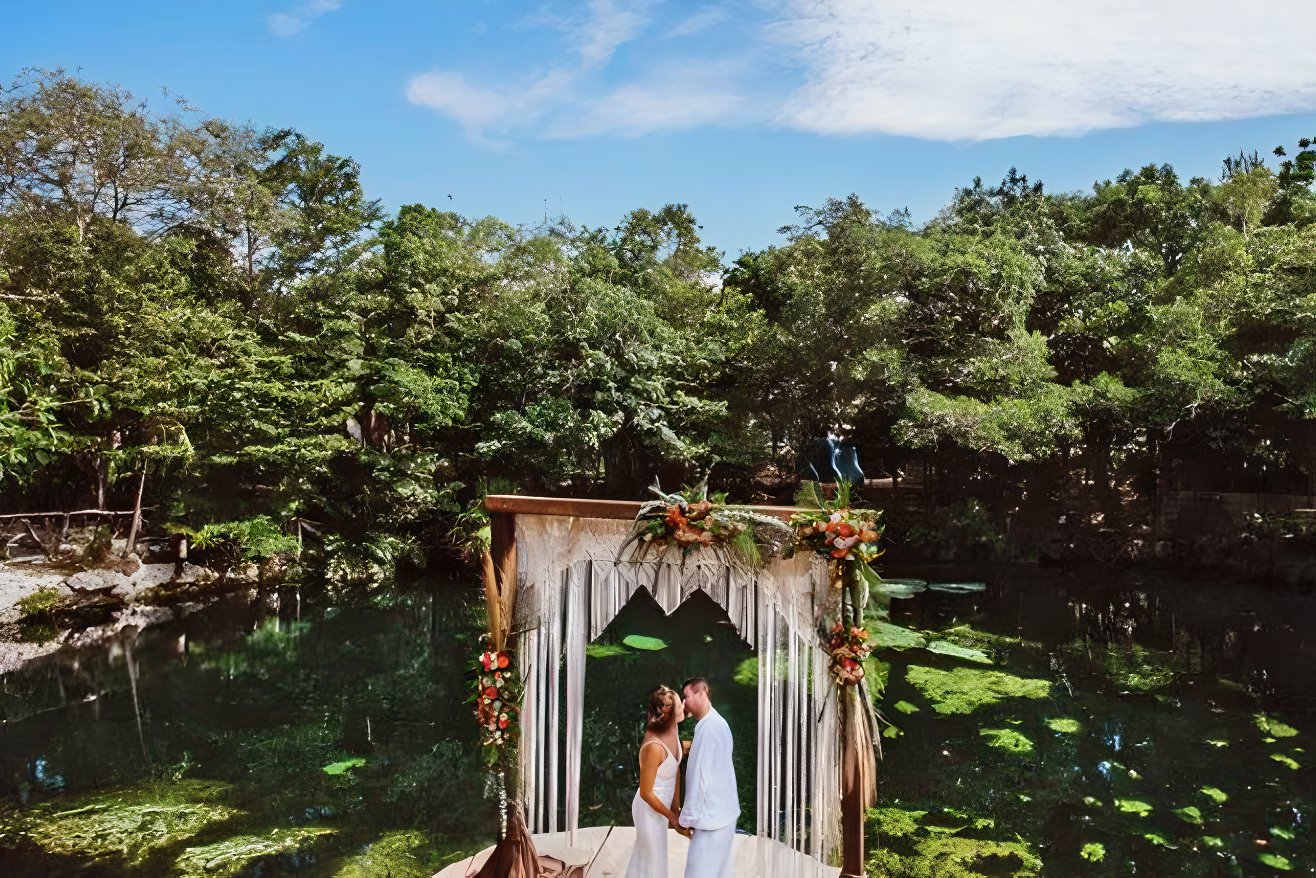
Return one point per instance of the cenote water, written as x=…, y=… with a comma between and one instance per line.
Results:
x=1108, y=723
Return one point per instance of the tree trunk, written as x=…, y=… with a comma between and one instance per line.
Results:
x=137, y=515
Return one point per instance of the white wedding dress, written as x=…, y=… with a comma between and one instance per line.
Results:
x=649, y=857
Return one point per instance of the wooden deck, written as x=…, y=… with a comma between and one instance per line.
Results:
x=607, y=849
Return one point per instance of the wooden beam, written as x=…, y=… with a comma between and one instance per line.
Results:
x=577, y=507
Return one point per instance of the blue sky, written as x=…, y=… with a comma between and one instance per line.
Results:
x=741, y=108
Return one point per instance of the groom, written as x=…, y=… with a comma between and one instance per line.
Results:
x=710, y=808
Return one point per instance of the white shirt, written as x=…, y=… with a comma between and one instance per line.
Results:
x=711, y=800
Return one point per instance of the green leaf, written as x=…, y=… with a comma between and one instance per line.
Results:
x=905, y=707
x=1275, y=861
x=1216, y=795
x=1286, y=760
x=888, y=636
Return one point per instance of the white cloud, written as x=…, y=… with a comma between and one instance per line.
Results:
x=297, y=19
x=960, y=69
x=675, y=97
x=701, y=20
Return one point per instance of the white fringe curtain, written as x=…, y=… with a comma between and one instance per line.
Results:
x=570, y=588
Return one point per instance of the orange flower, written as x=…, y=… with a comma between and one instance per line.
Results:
x=845, y=530
x=503, y=661
x=490, y=692
x=839, y=553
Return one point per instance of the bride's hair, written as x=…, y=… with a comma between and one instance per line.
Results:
x=662, y=709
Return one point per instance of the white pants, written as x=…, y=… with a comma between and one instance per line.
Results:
x=710, y=853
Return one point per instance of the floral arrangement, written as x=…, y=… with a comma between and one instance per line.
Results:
x=691, y=519
x=848, y=537
x=849, y=648
x=497, y=697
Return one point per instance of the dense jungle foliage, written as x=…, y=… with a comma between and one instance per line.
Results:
x=225, y=313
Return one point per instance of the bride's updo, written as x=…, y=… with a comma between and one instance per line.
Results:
x=662, y=709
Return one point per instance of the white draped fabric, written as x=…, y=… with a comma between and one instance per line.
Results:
x=570, y=588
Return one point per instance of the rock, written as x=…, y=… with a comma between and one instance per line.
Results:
x=111, y=581
x=244, y=574
x=130, y=565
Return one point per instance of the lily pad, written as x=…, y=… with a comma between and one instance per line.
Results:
x=1275, y=861
x=888, y=636
x=1216, y=795
x=639, y=641
x=343, y=767
x=902, y=588
x=958, y=587
x=1286, y=760
x=1190, y=814
x=1133, y=806
x=945, y=647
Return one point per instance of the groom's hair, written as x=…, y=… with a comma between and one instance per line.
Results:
x=698, y=684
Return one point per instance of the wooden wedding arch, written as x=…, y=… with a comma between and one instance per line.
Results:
x=553, y=583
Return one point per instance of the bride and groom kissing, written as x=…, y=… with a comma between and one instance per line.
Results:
x=710, y=808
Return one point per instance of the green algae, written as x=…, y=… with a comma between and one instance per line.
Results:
x=1273, y=727
x=606, y=650
x=401, y=854
x=894, y=822
x=953, y=856
x=1138, y=669
x=1286, y=760
x=1008, y=740
x=1133, y=806
x=343, y=766
x=1064, y=725
x=129, y=824
x=1190, y=814
x=965, y=690
x=234, y=856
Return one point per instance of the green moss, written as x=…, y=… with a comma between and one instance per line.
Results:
x=1093, y=852
x=1139, y=669
x=1133, y=806
x=1273, y=727
x=129, y=824
x=233, y=856
x=1064, y=725
x=964, y=690
x=953, y=856
x=605, y=650
x=39, y=604
x=1008, y=740
x=405, y=854
x=894, y=822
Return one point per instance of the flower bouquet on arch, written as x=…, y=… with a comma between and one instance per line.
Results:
x=497, y=699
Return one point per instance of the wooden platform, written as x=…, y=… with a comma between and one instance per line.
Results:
x=607, y=850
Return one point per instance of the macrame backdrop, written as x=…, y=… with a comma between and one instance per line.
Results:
x=570, y=587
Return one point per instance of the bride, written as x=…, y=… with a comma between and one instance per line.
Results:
x=654, y=809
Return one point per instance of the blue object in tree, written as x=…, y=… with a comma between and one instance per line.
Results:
x=831, y=460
